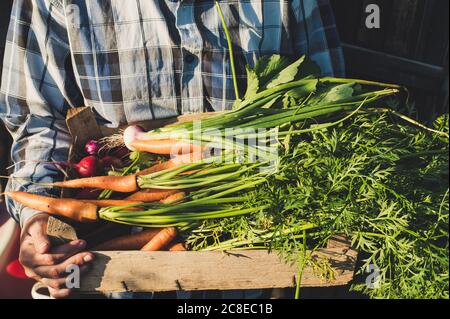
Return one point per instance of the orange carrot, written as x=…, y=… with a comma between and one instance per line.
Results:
x=171, y=163
x=124, y=184
x=178, y=247
x=165, y=146
x=163, y=238
x=129, y=242
x=70, y=208
x=151, y=195
x=173, y=198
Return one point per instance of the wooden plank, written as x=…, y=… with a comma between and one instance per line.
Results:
x=120, y=271
x=348, y=18
x=401, y=35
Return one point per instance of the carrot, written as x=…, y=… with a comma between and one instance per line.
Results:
x=177, y=247
x=165, y=146
x=173, y=198
x=70, y=208
x=163, y=238
x=126, y=184
x=171, y=163
x=129, y=242
x=151, y=195
x=123, y=184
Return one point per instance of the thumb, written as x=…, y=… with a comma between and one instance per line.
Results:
x=38, y=232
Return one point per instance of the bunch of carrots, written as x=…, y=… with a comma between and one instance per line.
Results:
x=191, y=183
x=85, y=209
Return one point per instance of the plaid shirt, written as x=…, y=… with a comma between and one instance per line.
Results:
x=134, y=60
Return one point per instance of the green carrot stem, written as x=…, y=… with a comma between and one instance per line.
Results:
x=230, y=49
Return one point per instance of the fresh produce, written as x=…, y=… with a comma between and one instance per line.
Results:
x=128, y=242
x=333, y=160
x=71, y=208
x=161, y=239
x=124, y=184
x=131, y=134
x=177, y=197
x=177, y=247
x=127, y=183
x=151, y=195
x=87, y=167
x=92, y=147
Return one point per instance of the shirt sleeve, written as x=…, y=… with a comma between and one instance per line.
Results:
x=36, y=83
x=315, y=34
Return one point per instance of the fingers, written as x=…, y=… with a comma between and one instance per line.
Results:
x=57, y=287
x=59, y=270
x=60, y=283
x=37, y=229
x=59, y=293
x=59, y=254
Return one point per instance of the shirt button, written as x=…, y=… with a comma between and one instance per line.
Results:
x=189, y=58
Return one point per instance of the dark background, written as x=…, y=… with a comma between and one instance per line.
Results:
x=410, y=48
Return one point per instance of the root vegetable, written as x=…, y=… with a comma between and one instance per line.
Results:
x=123, y=184
x=70, y=208
x=162, y=239
x=173, y=198
x=151, y=195
x=178, y=247
x=165, y=147
x=129, y=242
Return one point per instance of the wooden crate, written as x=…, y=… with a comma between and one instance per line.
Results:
x=136, y=271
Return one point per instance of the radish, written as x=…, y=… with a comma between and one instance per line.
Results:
x=92, y=147
x=131, y=134
x=88, y=166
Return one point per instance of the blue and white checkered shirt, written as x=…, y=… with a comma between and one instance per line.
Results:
x=135, y=60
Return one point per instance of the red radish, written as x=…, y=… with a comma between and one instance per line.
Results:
x=88, y=166
x=92, y=147
x=110, y=161
x=15, y=269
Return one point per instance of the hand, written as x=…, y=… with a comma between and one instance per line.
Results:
x=48, y=265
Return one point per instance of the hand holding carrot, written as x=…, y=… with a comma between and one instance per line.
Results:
x=48, y=264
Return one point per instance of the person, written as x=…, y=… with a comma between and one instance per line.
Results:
x=130, y=61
